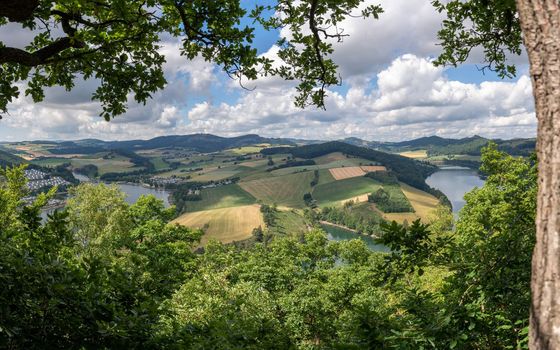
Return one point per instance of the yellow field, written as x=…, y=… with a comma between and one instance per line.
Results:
x=347, y=172
x=226, y=224
x=373, y=168
x=419, y=154
x=423, y=203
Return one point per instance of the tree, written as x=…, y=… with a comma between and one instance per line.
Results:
x=501, y=27
x=116, y=42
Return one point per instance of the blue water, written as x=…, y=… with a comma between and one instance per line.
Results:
x=455, y=182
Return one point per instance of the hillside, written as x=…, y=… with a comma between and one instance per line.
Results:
x=435, y=145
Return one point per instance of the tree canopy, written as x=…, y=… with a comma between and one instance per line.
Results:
x=116, y=42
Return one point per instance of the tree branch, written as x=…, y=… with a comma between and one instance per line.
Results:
x=18, y=10
x=33, y=59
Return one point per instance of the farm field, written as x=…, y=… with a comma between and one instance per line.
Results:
x=215, y=174
x=333, y=193
x=225, y=225
x=423, y=203
x=221, y=197
x=347, y=172
x=281, y=190
x=289, y=222
x=418, y=154
x=373, y=168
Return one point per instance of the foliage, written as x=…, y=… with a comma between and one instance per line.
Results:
x=391, y=199
x=355, y=216
x=91, y=277
x=116, y=42
x=490, y=25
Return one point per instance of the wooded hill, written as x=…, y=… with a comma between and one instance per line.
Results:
x=409, y=171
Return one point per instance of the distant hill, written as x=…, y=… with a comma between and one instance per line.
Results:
x=204, y=143
x=436, y=145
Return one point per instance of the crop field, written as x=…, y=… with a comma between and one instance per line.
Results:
x=226, y=224
x=338, y=192
x=282, y=190
x=373, y=168
x=216, y=174
x=245, y=150
x=423, y=203
x=221, y=197
x=418, y=154
x=347, y=172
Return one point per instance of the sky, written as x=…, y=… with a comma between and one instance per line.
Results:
x=391, y=91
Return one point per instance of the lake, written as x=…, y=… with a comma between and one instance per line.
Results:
x=132, y=191
x=454, y=182
x=335, y=233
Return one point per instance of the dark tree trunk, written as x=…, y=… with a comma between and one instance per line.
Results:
x=540, y=22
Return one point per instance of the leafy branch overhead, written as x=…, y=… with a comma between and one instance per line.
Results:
x=116, y=42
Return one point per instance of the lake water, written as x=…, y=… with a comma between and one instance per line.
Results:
x=455, y=182
x=335, y=233
x=133, y=192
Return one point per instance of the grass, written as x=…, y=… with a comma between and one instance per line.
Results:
x=423, y=203
x=333, y=193
x=285, y=190
x=289, y=222
x=221, y=197
x=226, y=224
x=418, y=154
x=215, y=174
x=159, y=163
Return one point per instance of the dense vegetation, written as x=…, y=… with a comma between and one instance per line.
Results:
x=105, y=274
x=355, y=216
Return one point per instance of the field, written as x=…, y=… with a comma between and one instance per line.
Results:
x=215, y=174
x=159, y=163
x=289, y=222
x=281, y=190
x=347, y=173
x=423, y=203
x=226, y=224
x=221, y=197
x=418, y=154
x=333, y=193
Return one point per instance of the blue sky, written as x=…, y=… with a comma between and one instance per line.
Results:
x=391, y=91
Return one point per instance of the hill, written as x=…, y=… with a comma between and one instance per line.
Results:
x=435, y=145
x=407, y=170
x=204, y=143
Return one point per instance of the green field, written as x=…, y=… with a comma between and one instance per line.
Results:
x=159, y=163
x=281, y=190
x=221, y=197
x=289, y=222
x=332, y=193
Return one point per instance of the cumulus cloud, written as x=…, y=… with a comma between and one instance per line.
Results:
x=392, y=91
